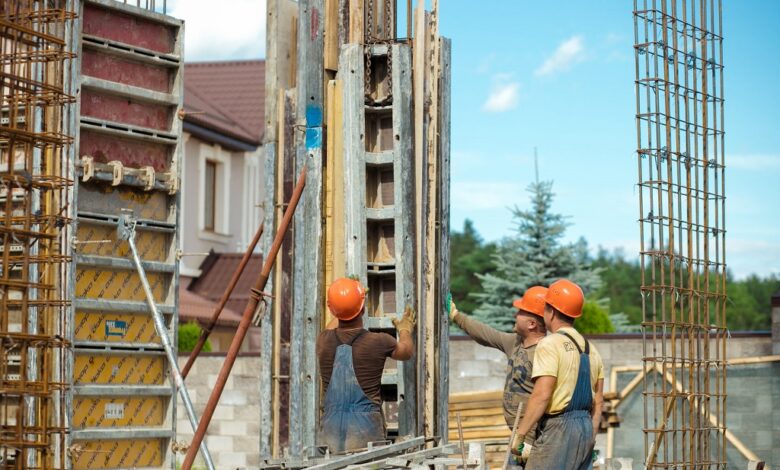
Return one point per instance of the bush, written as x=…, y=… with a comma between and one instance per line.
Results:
x=594, y=320
x=188, y=337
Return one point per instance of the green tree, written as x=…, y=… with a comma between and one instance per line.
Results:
x=535, y=255
x=188, y=337
x=594, y=319
x=469, y=257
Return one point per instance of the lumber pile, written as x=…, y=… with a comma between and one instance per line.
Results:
x=482, y=419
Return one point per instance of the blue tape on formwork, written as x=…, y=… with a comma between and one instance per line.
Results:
x=313, y=138
x=313, y=127
x=313, y=116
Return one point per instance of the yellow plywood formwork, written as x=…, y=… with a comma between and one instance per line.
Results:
x=104, y=369
x=104, y=284
x=113, y=327
x=136, y=453
x=114, y=412
x=100, y=240
x=151, y=205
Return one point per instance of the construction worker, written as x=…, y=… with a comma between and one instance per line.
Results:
x=518, y=346
x=568, y=379
x=351, y=361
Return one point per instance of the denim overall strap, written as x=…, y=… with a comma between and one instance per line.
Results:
x=582, y=398
x=350, y=419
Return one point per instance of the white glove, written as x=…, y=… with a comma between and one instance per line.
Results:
x=527, y=448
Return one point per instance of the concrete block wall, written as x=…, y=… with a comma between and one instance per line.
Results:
x=753, y=390
x=233, y=437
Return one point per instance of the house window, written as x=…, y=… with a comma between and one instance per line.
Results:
x=210, y=195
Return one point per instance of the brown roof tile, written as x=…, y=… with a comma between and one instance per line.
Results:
x=227, y=96
x=195, y=307
x=217, y=270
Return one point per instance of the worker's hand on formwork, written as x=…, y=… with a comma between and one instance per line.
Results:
x=407, y=322
x=452, y=309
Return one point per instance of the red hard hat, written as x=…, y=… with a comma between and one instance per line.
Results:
x=346, y=298
x=566, y=297
x=532, y=301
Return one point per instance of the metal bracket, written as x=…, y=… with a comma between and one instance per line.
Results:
x=117, y=170
x=148, y=177
x=88, y=167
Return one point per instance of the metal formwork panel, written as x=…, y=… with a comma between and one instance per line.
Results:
x=118, y=411
x=119, y=369
x=114, y=327
x=129, y=453
x=129, y=148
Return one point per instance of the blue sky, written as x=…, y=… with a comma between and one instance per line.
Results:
x=559, y=76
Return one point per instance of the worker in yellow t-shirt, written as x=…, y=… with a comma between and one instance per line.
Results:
x=568, y=389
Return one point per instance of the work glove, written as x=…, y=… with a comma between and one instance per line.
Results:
x=452, y=310
x=407, y=322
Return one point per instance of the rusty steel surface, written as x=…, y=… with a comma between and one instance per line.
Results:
x=35, y=138
x=680, y=163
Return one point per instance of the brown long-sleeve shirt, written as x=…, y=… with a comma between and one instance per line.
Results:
x=518, y=385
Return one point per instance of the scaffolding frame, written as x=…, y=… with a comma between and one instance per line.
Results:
x=679, y=123
x=36, y=99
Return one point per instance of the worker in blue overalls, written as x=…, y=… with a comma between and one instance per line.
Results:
x=568, y=389
x=351, y=361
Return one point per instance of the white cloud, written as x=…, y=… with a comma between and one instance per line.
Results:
x=504, y=95
x=569, y=52
x=753, y=162
x=224, y=32
x=482, y=195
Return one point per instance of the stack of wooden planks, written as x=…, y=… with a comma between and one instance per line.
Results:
x=482, y=420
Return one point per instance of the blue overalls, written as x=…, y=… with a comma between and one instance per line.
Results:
x=350, y=419
x=565, y=440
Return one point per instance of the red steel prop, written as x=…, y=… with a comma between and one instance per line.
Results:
x=204, y=335
x=243, y=326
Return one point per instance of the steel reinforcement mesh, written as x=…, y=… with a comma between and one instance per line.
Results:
x=35, y=138
x=680, y=163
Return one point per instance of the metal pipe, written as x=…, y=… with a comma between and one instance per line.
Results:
x=126, y=231
x=204, y=335
x=246, y=319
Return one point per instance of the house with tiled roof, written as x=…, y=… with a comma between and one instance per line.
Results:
x=222, y=187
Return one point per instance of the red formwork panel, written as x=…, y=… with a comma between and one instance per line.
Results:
x=119, y=109
x=132, y=153
x=128, y=72
x=129, y=29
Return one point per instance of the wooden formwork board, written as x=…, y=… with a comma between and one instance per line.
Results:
x=114, y=327
x=119, y=411
x=119, y=284
x=119, y=453
x=119, y=369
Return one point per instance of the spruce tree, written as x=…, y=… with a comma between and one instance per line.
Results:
x=534, y=255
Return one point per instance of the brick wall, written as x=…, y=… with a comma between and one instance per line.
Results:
x=234, y=434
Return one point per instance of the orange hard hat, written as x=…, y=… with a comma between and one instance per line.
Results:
x=566, y=297
x=532, y=301
x=346, y=298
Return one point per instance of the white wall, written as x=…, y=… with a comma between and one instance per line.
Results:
x=237, y=211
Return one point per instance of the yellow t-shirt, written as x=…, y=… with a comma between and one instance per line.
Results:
x=555, y=356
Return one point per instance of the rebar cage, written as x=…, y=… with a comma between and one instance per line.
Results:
x=680, y=163
x=35, y=140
